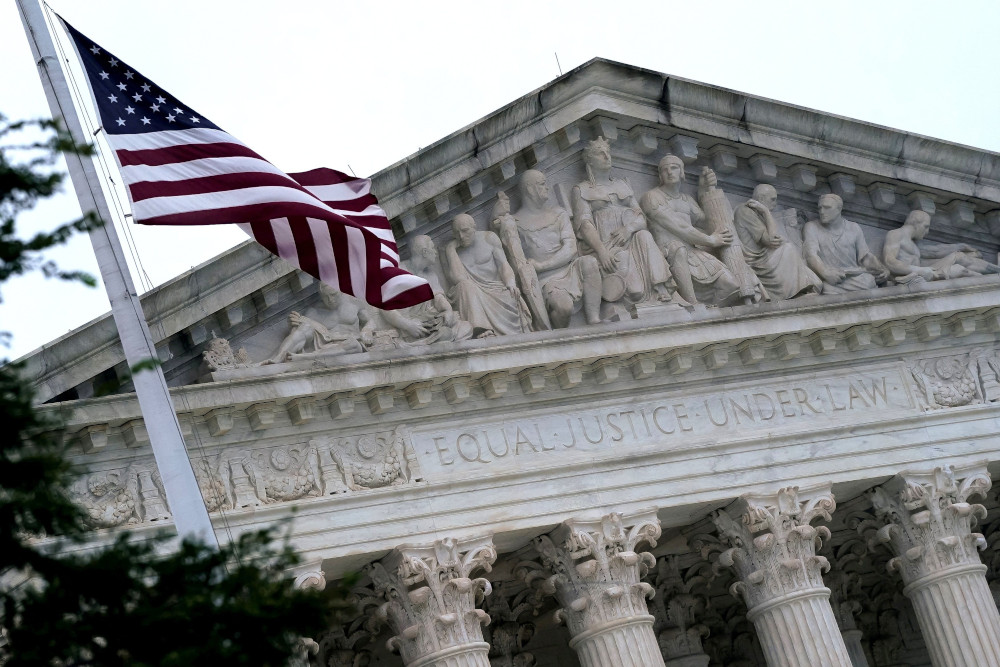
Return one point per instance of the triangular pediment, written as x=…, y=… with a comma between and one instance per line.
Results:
x=246, y=297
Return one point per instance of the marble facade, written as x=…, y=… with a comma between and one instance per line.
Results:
x=636, y=450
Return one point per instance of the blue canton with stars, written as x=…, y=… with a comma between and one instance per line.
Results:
x=129, y=103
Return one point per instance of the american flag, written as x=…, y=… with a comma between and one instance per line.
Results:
x=181, y=169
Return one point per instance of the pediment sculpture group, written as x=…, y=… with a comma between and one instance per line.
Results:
x=542, y=267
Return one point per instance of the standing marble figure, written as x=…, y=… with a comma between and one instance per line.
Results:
x=836, y=250
x=673, y=216
x=549, y=245
x=611, y=226
x=777, y=263
x=482, y=283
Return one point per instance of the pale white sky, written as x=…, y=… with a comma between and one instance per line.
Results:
x=310, y=84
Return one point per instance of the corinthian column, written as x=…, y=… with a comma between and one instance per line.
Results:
x=780, y=576
x=594, y=571
x=927, y=522
x=431, y=602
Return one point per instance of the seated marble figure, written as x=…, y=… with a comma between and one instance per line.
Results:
x=911, y=261
x=482, y=283
x=540, y=237
x=611, y=226
x=431, y=321
x=836, y=250
x=777, y=263
x=342, y=325
x=674, y=218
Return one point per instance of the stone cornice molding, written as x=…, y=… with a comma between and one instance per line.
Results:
x=531, y=363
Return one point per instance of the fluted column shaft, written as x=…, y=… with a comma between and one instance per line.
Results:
x=780, y=576
x=926, y=520
x=629, y=641
x=594, y=571
x=800, y=629
x=957, y=617
x=466, y=655
x=852, y=640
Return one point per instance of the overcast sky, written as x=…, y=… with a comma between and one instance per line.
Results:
x=364, y=84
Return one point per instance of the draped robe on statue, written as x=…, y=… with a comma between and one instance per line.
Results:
x=843, y=251
x=781, y=270
x=481, y=298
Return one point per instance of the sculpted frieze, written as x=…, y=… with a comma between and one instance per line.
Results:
x=121, y=497
x=238, y=478
x=954, y=380
x=577, y=245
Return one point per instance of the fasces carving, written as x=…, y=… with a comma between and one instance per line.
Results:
x=612, y=227
x=927, y=521
x=483, y=286
x=674, y=218
x=951, y=381
x=220, y=356
x=595, y=572
x=431, y=601
x=777, y=263
x=432, y=321
x=836, y=250
x=773, y=551
x=120, y=497
x=341, y=326
x=541, y=244
x=987, y=366
x=910, y=261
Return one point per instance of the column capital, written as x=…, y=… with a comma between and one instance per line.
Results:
x=507, y=634
x=773, y=544
x=927, y=520
x=597, y=570
x=431, y=597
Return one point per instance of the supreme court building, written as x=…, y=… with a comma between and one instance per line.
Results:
x=709, y=379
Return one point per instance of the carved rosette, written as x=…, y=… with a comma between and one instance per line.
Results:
x=596, y=576
x=430, y=601
x=927, y=521
x=773, y=551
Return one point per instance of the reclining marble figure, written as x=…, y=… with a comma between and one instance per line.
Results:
x=777, y=263
x=910, y=261
x=836, y=250
x=544, y=238
x=674, y=218
x=432, y=321
x=483, y=288
x=612, y=227
x=342, y=326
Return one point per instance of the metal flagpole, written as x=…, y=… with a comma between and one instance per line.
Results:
x=183, y=495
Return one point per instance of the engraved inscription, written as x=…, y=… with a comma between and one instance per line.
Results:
x=669, y=423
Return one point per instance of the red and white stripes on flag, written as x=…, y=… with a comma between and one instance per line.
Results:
x=324, y=222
